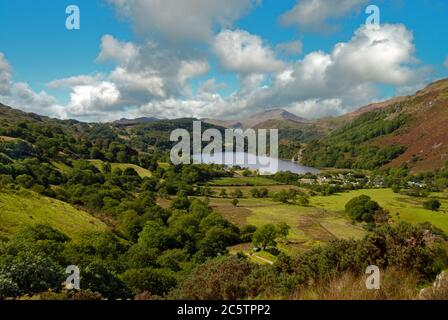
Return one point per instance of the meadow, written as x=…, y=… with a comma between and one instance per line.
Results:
x=409, y=209
x=324, y=218
x=20, y=208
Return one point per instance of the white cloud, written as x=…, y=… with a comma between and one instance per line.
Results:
x=149, y=79
x=90, y=99
x=113, y=50
x=20, y=95
x=185, y=20
x=75, y=81
x=143, y=73
x=190, y=69
x=5, y=75
x=316, y=15
x=243, y=52
x=290, y=48
x=374, y=54
x=317, y=108
x=139, y=82
x=345, y=78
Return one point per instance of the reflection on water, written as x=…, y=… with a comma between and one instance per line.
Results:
x=265, y=165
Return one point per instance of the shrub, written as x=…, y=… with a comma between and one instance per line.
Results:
x=362, y=209
x=432, y=204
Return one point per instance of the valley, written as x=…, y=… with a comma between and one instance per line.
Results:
x=105, y=197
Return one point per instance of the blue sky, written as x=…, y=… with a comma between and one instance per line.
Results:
x=210, y=59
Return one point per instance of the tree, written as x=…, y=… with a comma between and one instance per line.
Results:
x=283, y=230
x=265, y=236
x=155, y=281
x=235, y=202
x=28, y=273
x=223, y=193
x=98, y=278
x=432, y=204
x=218, y=279
x=255, y=193
x=281, y=196
x=153, y=235
x=247, y=233
x=237, y=193
x=25, y=181
x=362, y=209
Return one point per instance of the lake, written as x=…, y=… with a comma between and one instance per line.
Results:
x=265, y=165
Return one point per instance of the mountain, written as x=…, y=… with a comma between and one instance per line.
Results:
x=408, y=130
x=258, y=120
x=130, y=122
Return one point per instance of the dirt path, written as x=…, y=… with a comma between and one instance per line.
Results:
x=263, y=259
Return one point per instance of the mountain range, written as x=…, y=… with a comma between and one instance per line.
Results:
x=409, y=131
x=259, y=120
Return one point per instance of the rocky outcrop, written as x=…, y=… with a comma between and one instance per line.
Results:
x=439, y=290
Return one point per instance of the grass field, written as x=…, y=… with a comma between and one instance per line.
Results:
x=244, y=181
x=410, y=209
x=310, y=226
x=21, y=208
x=142, y=172
x=324, y=219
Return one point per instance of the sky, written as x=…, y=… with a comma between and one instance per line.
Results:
x=216, y=59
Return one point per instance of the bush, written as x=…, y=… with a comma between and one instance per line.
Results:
x=218, y=279
x=432, y=204
x=362, y=209
x=155, y=281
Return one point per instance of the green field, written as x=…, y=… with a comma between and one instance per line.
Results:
x=142, y=172
x=244, y=181
x=310, y=226
x=21, y=208
x=324, y=219
x=410, y=209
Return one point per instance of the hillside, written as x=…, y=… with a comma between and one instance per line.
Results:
x=21, y=208
x=130, y=122
x=409, y=130
x=257, y=120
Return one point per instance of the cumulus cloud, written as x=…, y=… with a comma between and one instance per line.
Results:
x=117, y=51
x=186, y=20
x=290, y=48
x=149, y=80
x=19, y=94
x=316, y=15
x=346, y=78
x=142, y=73
x=102, y=96
x=243, y=52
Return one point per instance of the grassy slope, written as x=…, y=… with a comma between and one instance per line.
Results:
x=21, y=208
x=410, y=209
x=141, y=171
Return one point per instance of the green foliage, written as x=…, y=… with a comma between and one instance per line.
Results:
x=265, y=236
x=218, y=279
x=432, y=204
x=350, y=146
x=362, y=209
x=154, y=281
